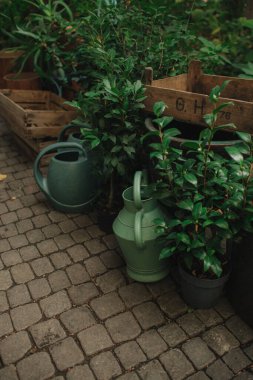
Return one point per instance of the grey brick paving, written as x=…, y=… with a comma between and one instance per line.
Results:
x=66, y=354
x=123, y=327
x=220, y=340
x=25, y=316
x=105, y=366
x=77, y=319
x=176, y=363
x=219, y=370
x=55, y=304
x=107, y=305
x=236, y=360
x=80, y=372
x=68, y=310
x=198, y=352
x=130, y=355
x=152, y=344
x=153, y=370
x=18, y=295
x=47, y=332
x=36, y=367
x=95, y=339
x=14, y=347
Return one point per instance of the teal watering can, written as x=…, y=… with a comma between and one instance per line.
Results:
x=134, y=229
x=70, y=184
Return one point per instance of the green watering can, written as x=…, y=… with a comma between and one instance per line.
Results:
x=134, y=229
x=72, y=137
x=70, y=184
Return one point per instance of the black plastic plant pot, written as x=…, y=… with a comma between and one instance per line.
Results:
x=201, y=293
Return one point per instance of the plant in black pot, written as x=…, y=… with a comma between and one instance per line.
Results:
x=210, y=200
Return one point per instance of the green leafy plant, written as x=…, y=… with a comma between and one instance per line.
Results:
x=46, y=39
x=209, y=194
x=112, y=122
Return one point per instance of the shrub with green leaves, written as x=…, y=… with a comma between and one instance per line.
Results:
x=209, y=195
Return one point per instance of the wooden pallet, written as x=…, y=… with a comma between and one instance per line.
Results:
x=186, y=96
x=35, y=117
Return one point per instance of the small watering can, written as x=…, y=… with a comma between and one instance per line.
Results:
x=70, y=184
x=72, y=137
x=134, y=228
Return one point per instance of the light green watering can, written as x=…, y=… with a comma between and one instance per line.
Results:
x=69, y=185
x=135, y=232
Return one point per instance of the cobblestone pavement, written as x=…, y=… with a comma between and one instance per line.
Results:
x=68, y=310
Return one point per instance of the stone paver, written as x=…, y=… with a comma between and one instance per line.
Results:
x=110, y=281
x=107, y=305
x=14, y=347
x=220, y=340
x=134, y=294
x=105, y=366
x=5, y=324
x=18, y=295
x=198, y=352
x=68, y=310
x=25, y=316
x=148, y=315
x=36, y=367
x=8, y=373
x=172, y=334
x=66, y=354
x=236, y=360
x=152, y=371
x=94, y=339
x=77, y=319
x=219, y=370
x=79, y=373
x=152, y=343
x=39, y=288
x=240, y=329
x=123, y=327
x=55, y=304
x=47, y=332
x=130, y=355
x=176, y=363
x=81, y=294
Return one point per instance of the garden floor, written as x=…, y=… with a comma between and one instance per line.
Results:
x=69, y=311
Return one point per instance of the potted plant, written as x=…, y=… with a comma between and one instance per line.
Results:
x=209, y=196
x=111, y=113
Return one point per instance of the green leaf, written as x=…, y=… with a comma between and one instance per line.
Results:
x=159, y=108
x=244, y=136
x=221, y=223
x=183, y=238
x=197, y=210
x=191, y=178
x=167, y=252
x=234, y=153
x=191, y=144
x=186, y=205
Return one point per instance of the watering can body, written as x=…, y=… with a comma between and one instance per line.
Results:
x=134, y=228
x=67, y=184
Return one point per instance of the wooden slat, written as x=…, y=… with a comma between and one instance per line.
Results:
x=190, y=107
x=178, y=82
x=240, y=89
x=194, y=75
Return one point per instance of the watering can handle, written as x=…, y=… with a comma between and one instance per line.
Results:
x=48, y=149
x=140, y=178
x=137, y=229
x=65, y=129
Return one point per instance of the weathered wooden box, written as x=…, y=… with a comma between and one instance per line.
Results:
x=35, y=117
x=186, y=96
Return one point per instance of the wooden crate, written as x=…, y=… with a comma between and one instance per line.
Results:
x=35, y=117
x=186, y=96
